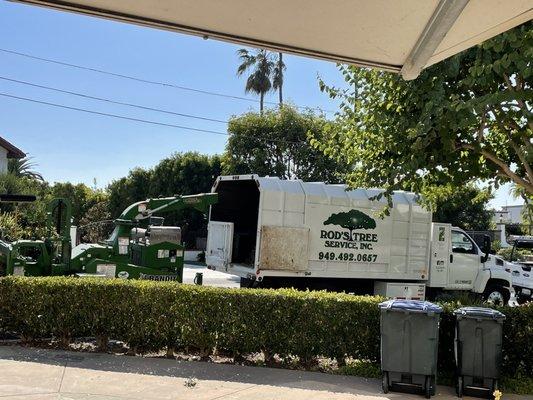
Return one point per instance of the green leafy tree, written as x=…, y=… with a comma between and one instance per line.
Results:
x=353, y=219
x=10, y=228
x=128, y=190
x=179, y=174
x=465, y=207
x=465, y=118
x=30, y=217
x=275, y=143
x=96, y=225
x=262, y=66
x=81, y=196
x=23, y=167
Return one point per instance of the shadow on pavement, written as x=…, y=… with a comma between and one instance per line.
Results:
x=204, y=371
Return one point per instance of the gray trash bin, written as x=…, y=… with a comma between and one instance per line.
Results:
x=409, y=345
x=478, y=349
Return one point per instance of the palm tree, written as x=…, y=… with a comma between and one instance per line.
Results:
x=277, y=79
x=23, y=167
x=259, y=80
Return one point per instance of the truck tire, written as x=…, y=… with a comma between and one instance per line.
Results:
x=247, y=283
x=496, y=295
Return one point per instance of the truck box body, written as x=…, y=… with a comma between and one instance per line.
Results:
x=272, y=227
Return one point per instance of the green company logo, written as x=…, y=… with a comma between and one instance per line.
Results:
x=351, y=220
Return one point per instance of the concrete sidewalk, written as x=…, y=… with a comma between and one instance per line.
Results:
x=37, y=374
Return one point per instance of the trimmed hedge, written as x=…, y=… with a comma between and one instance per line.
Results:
x=152, y=316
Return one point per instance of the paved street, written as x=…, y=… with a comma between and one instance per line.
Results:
x=37, y=374
x=211, y=278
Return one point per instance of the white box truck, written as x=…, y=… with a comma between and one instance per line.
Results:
x=289, y=233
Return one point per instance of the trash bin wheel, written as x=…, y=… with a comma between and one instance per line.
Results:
x=459, y=386
x=427, y=387
x=433, y=385
x=494, y=388
x=385, y=382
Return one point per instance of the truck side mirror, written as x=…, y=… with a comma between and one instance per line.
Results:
x=487, y=245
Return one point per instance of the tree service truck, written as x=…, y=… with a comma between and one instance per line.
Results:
x=290, y=233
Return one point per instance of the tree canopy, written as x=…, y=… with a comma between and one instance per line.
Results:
x=465, y=207
x=179, y=174
x=463, y=119
x=275, y=143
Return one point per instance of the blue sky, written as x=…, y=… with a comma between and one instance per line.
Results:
x=72, y=146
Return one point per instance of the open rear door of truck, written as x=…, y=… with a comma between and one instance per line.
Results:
x=219, y=244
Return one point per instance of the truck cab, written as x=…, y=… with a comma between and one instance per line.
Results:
x=459, y=263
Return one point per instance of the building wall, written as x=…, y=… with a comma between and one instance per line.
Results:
x=509, y=214
x=3, y=160
x=514, y=214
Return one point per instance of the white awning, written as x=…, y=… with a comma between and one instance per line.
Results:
x=395, y=35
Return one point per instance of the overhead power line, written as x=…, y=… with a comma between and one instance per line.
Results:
x=112, y=115
x=144, y=121
x=86, y=96
x=148, y=81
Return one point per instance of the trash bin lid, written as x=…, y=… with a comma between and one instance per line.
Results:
x=411, y=305
x=479, y=312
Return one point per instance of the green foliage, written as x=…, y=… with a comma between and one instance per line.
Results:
x=153, y=316
x=465, y=207
x=179, y=174
x=518, y=254
x=80, y=195
x=465, y=118
x=364, y=368
x=31, y=217
x=23, y=167
x=275, y=143
x=96, y=224
x=10, y=228
x=266, y=73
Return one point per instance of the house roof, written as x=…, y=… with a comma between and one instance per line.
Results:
x=12, y=150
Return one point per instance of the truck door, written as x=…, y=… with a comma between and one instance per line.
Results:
x=465, y=261
x=219, y=244
x=440, y=255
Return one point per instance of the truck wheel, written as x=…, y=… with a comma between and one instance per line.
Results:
x=497, y=295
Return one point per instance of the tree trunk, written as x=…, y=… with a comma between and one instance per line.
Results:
x=261, y=102
x=280, y=66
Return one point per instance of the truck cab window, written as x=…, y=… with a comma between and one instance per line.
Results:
x=461, y=243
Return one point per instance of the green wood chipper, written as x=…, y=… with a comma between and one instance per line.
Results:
x=140, y=246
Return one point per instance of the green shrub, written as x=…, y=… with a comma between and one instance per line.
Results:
x=153, y=316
